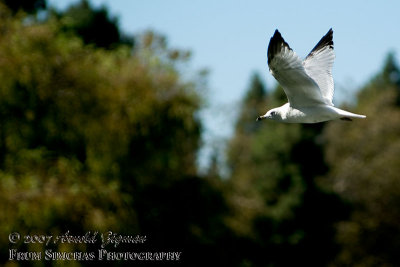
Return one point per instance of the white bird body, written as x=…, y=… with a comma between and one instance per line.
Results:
x=308, y=84
x=310, y=114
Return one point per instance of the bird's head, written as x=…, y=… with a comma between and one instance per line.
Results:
x=273, y=114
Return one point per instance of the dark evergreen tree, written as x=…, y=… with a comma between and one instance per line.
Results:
x=387, y=79
x=391, y=71
x=30, y=6
x=253, y=103
x=94, y=25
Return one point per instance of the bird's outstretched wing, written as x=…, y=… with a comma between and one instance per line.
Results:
x=318, y=65
x=287, y=68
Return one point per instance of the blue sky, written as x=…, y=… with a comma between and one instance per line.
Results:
x=230, y=38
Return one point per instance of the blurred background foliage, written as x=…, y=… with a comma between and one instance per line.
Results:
x=100, y=131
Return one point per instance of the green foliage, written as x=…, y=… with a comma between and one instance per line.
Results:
x=98, y=140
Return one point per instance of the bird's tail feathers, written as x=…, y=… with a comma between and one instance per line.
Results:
x=348, y=115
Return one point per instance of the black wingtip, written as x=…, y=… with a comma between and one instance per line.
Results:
x=275, y=45
x=326, y=40
x=329, y=35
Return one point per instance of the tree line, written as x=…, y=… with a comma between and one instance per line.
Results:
x=101, y=132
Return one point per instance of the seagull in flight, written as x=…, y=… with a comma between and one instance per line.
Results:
x=308, y=84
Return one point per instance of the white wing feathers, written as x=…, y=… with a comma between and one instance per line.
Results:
x=305, y=83
x=318, y=65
